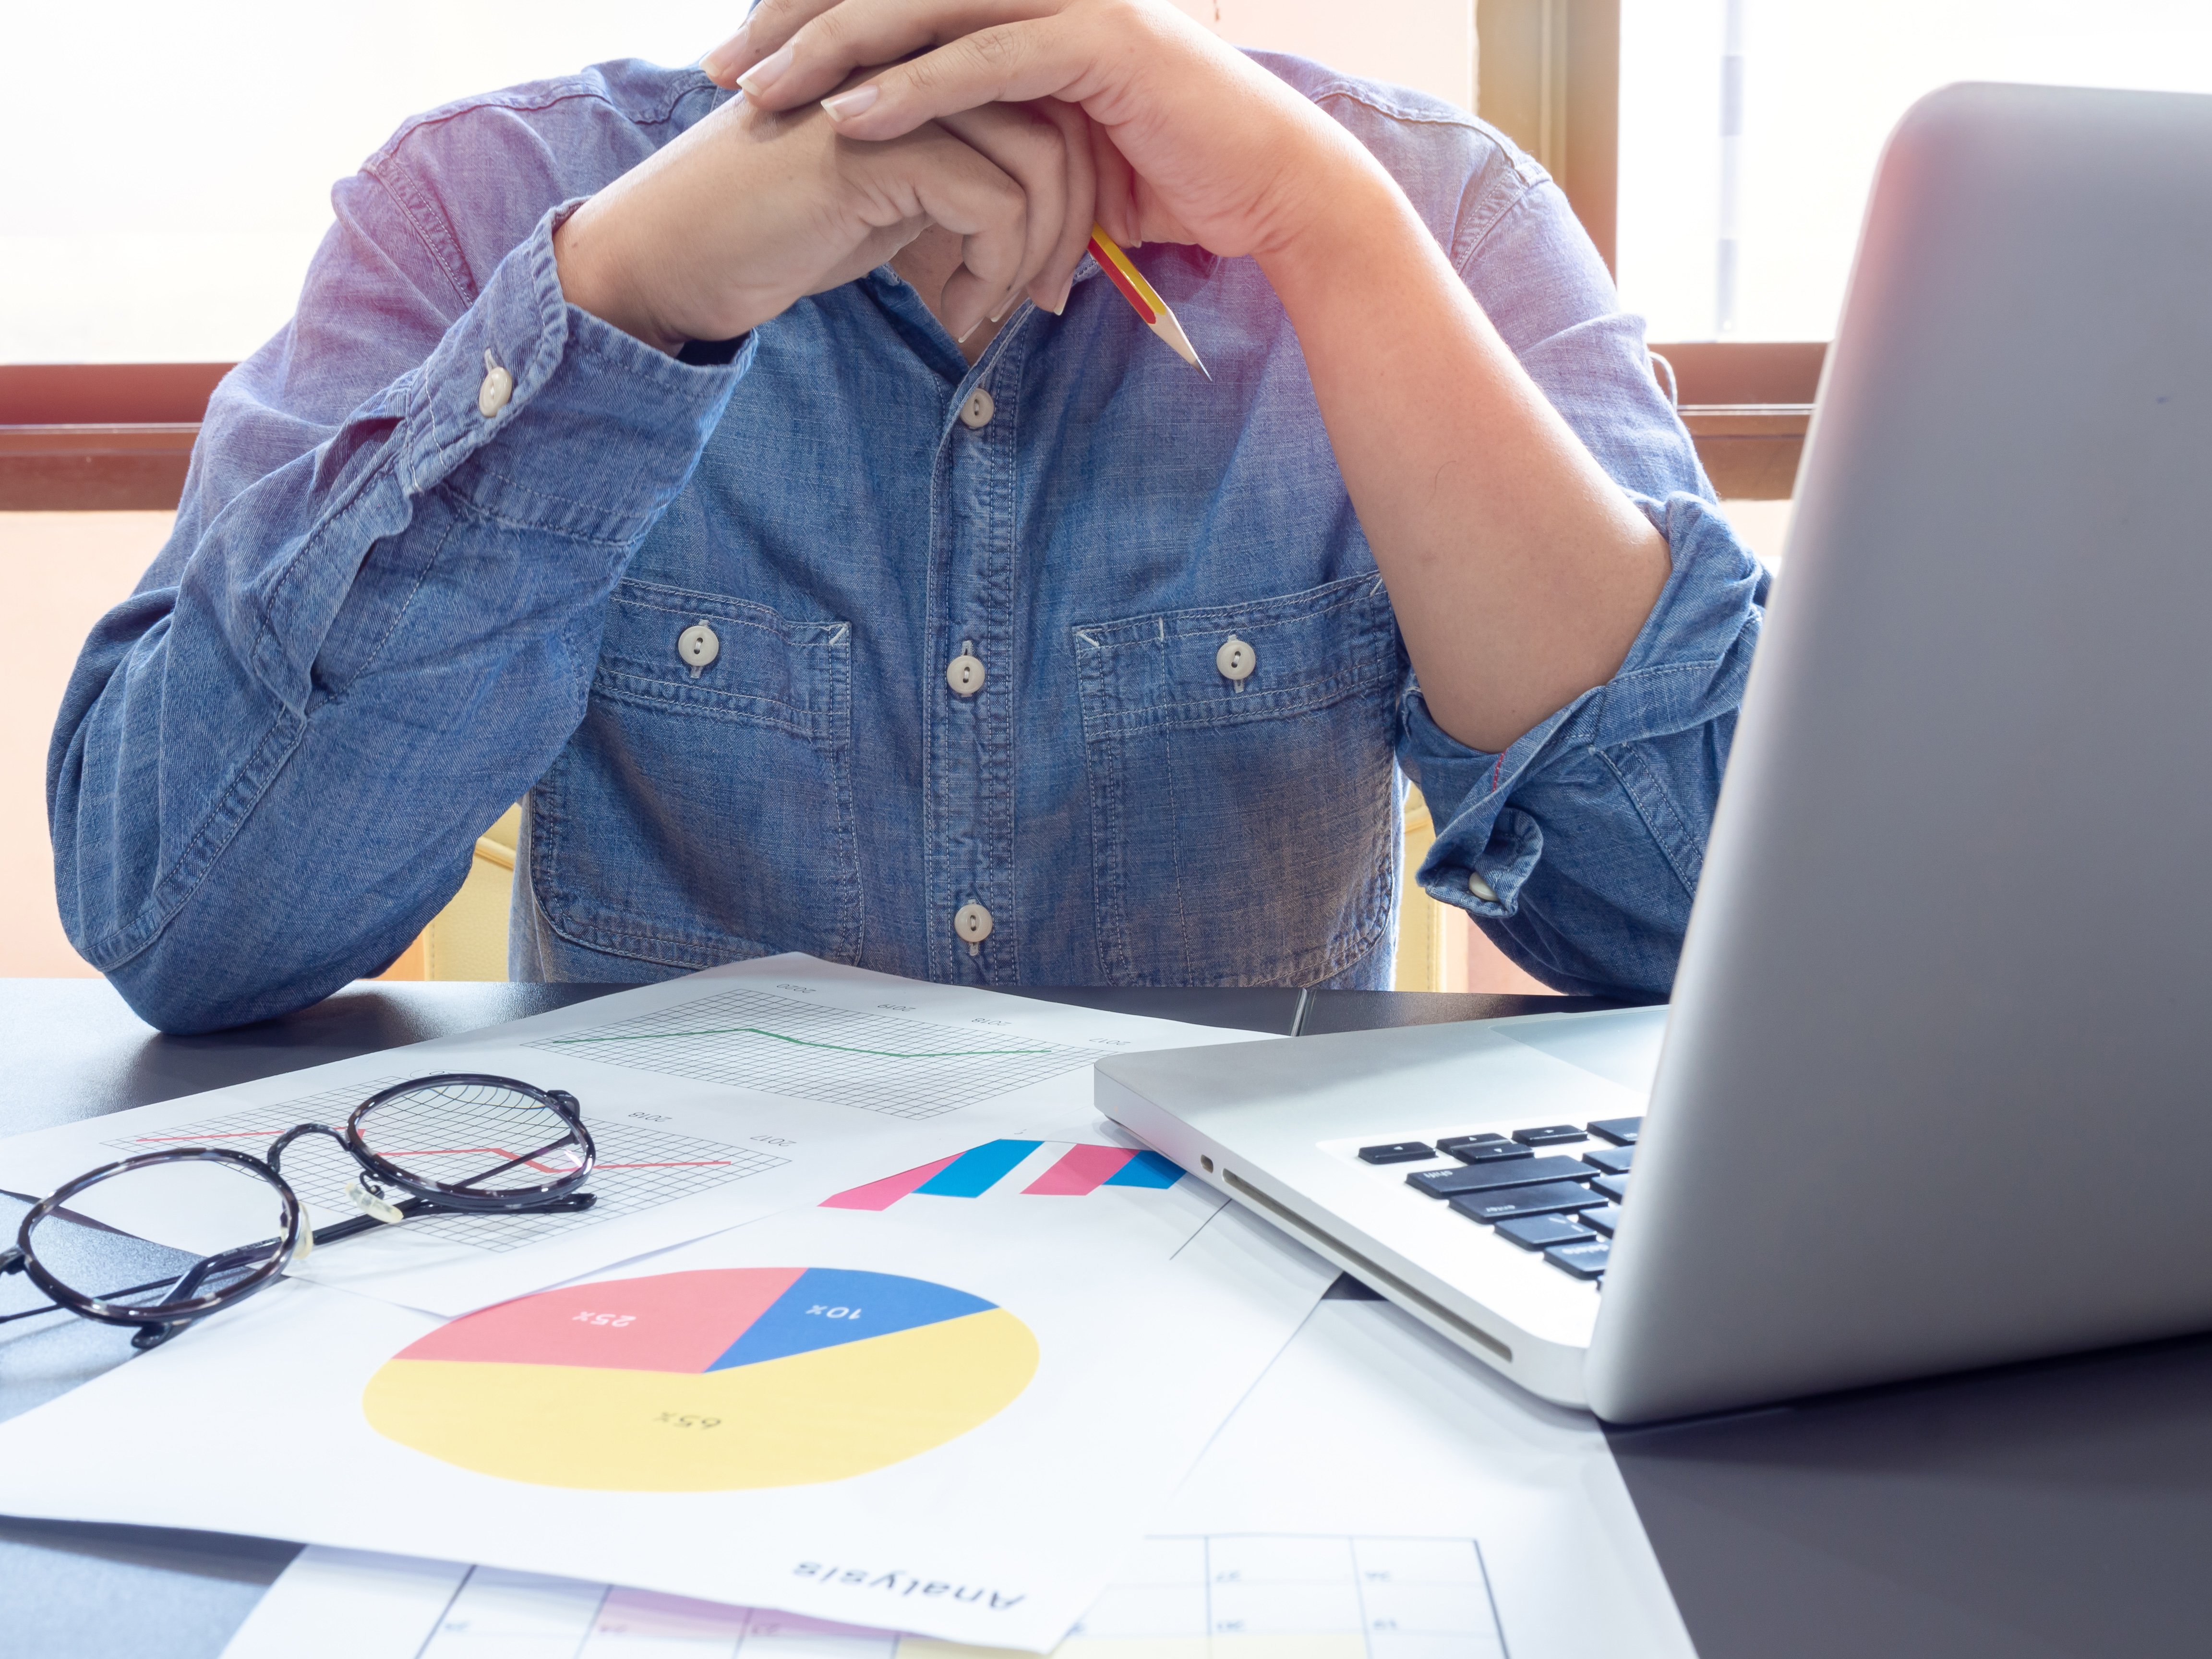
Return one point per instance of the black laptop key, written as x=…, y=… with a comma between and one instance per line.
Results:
x=1514, y=1172
x=1585, y=1261
x=1552, y=1198
x=1620, y=1131
x=1397, y=1152
x=1490, y=1151
x=1613, y=1187
x=1602, y=1220
x=1607, y=1160
x=1452, y=1144
x=1551, y=1135
x=1541, y=1232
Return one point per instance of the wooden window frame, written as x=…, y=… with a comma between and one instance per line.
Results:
x=1548, y=75
x=99, y=437
x=116, y=437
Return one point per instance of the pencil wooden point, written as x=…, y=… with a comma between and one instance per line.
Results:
x=1143, y=298
x=1171, y=331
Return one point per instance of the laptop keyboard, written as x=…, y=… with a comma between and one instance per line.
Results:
x=1539, y=1194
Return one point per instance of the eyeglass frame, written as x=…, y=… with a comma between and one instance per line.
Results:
x=295, y=1242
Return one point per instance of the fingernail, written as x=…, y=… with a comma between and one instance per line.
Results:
x=716, y=63
x=765, y=74
x=1005, y=306
x=1066, y=291
x=847, y=105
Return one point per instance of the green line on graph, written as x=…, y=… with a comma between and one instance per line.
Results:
x=839, y=1047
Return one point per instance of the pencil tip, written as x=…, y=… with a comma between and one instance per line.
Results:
x=1171, y=331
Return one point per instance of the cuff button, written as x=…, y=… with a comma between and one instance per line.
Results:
x=498, y=386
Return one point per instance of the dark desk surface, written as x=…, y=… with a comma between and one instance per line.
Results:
x=2058, y=1509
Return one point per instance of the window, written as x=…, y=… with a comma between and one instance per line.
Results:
x=1749, y=130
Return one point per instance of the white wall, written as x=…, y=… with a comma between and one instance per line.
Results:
x=1426, y=44
x=167, y=168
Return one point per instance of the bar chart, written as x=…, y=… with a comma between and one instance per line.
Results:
x=1034, y=1168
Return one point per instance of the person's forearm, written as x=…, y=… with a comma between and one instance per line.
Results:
x=1520, y=572
x=270, y=764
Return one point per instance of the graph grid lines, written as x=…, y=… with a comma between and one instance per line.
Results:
x=779, y=1045
x=1266, y=1596
x=640, y=1168
x=1287, y=1595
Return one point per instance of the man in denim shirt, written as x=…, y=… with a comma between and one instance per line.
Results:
x=933, y=615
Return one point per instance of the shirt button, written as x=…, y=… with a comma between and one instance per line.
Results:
x=498, y=386
x=975, y=414
x=1236, y=659
x=698, y=645
x=964, y=673
x=1480, y=888
x=973, y=923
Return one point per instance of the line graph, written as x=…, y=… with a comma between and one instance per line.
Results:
x=639, y=1169
x=780, y=1045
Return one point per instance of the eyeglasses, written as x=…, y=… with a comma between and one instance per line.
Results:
x=214, y=1224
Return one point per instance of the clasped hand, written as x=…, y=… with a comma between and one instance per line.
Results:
x=1011, y=124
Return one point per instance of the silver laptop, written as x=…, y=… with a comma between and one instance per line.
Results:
x=1939, y=1059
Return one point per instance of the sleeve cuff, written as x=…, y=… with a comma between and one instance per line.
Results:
x=1686, y=666
x=1485, y=851
x=607, y=428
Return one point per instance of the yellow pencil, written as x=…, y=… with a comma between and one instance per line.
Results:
x=1141, y=296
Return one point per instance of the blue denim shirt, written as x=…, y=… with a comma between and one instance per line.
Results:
x=386, y=614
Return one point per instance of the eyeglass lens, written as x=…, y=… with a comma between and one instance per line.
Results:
x=179, y=1232
x=477, y=1138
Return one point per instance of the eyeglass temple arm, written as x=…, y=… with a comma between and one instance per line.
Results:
x=414, y=1207
x=154, y=1333
x=11, y=1261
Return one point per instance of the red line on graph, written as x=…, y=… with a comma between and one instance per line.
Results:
x=455, y=1152
x=496, y=1152
x=692, y=1164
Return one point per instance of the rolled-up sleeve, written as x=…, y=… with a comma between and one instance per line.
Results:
x=1578, y=850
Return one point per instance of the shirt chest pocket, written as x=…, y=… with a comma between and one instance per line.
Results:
x=1240, y=766
x=703, y=811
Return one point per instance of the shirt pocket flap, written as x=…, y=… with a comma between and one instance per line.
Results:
x=1301, y=650
x=760, y=665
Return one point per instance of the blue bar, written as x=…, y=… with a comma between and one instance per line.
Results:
x=978, y=1169
x=1146, y=1170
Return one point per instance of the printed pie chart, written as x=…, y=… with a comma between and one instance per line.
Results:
x=713, y=1381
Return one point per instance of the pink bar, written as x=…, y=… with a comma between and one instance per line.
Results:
x=1081, y=1170
x=882, y=1194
